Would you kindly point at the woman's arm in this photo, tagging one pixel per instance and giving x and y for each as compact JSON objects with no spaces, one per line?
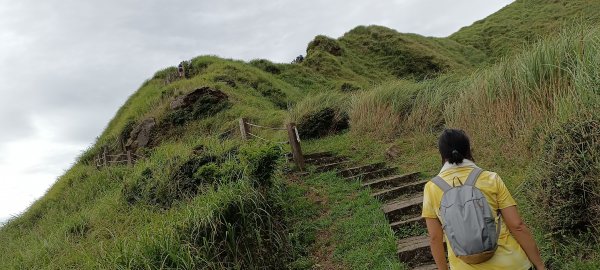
{"x":436,"y":242}
{"x":522,"y":234}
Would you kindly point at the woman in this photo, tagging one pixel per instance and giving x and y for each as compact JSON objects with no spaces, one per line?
{"x":516,"y":249}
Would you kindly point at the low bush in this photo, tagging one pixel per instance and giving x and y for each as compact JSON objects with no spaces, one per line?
{"x":182,"y":177}
{"x":322,"y":123}
{"x":265,"y":65}
{"x":325,"y":44}
{"x":321,"y":115}
{"x":566,"y":179}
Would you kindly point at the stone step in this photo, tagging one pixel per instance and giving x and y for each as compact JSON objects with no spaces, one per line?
{"x":392,"y":181}
{"x":361,"y":169}
{"x":415,"y":221}
{"x":426,"y":267}
{"x":374,"y":174}
{"x":324,"y":160}
{"x":414,"y":251}
{"x":409,"y":207}
{"x":392,"y":193}
{"x":333,"y":166}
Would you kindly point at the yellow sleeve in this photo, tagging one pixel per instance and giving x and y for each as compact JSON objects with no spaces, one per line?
{"x":504,"y":197}
{"x":428,"y":208}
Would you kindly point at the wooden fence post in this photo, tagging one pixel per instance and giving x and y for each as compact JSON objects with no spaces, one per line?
{"x":129,"y":161}
{"x":295,"y":145}
{"x":104,"y":157}
{"x":244,"y":128}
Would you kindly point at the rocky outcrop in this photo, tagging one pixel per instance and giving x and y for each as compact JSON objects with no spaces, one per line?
{"x":189,"y":99}
{"x":141,"y":135}
{"x":198,"y":104}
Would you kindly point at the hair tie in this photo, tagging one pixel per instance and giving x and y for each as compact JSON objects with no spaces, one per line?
{"x":455,"y":152}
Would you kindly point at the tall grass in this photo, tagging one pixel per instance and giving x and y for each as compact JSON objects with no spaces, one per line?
{"x":512,"y":100}
{"x":317,"y":102}
{"x":537,"y":109}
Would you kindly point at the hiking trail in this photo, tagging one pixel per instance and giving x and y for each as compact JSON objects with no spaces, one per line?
{"x":401,"y":195}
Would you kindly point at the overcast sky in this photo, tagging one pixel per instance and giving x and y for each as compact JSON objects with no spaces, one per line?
{"x":67,"y":66}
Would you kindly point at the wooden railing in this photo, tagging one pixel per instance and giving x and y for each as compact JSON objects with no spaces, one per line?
{"x":104,"y":159}
{"x":293,"y":138}
{"x":246,"y":130}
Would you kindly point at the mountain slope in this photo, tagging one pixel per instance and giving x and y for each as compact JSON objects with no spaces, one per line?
{"x":524,"y":22}
{"x":200,"y":197}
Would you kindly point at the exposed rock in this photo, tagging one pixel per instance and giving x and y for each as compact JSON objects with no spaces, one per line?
{"x":392,"y":152}
{"x":141,"y":134}
{"x":196,"y":105}
{"x":189,"y":99}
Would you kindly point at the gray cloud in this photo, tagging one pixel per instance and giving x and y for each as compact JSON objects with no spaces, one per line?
{"x":68,"y":65}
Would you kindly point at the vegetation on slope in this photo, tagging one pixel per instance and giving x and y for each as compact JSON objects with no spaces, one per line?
{"x":525,"y":22}
{"x":201,"y":198}
{"x":535,"y":113}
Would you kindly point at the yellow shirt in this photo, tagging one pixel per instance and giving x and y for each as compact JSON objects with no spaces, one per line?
{"x":509,"y":254}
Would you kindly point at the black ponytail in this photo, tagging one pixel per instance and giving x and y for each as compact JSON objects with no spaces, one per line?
{"x":454,"y":146}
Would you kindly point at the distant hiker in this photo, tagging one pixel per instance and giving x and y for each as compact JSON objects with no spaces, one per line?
{"x":180,"y":70}
{"x":476,"y":209}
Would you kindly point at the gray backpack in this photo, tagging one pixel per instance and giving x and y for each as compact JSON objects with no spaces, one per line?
{"x":468,"y":221}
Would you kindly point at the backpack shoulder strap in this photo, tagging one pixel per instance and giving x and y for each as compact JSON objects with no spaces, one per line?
{"x":473,"y":176}
{"x":438,"y":181}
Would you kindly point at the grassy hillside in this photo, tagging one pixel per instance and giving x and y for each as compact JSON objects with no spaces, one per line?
{"x":525,"y":22}
{"x":200,"y":197}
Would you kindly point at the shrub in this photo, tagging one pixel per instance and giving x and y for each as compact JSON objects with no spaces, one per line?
{"x":566,"y":179}
{"x":322,"y":123}
{"x":265,"y":65}
{"x":325,"y":44}
{"x":261,"y":162}
{"x":320,"y":115}
{"x":245,"y":233}
{"x":180,"y":178}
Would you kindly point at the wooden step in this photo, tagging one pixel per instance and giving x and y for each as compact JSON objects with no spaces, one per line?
{"x":414,"y":251}
{"x":333,"y":166}
{"x":312,"y":155}
{"x":409,"y":207}
{"x":392,"y":193}
{"x":361,"y":169}
{"x":318,"y":155}
{"x":392,"y":181}
{"x":426,"y":267}
{"x":374,"y":174}
{"x":324,"y":160}
{"x":415,"y":221}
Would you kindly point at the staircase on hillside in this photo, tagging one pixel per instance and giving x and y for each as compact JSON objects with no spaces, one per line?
{"x":401,"y":195}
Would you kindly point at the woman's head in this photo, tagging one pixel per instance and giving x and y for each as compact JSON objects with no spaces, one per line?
{"x":454,"y":146}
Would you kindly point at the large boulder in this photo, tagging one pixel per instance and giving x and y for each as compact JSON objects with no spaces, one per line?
{"x":141,"y":135}
{"x":189,"y":99}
